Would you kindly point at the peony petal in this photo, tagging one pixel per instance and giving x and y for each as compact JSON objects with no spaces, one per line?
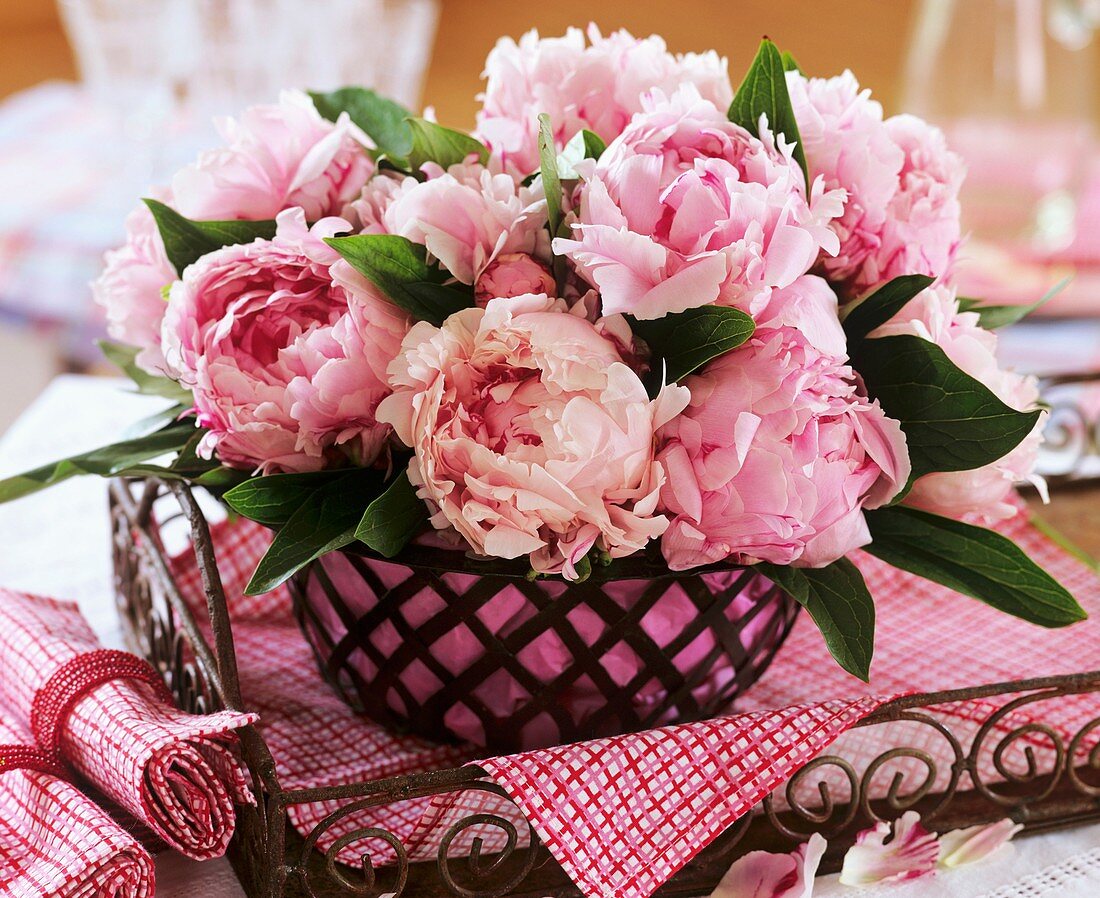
{"x":507,"y":542}
{"x":696,"y":284}
{"x":974,"y":843}
{"x":760,"y":874}
{"x":624,"y":265}
{"x":791,"y":252}
{"x":672,"y":400}
{"x":810,"y":305}
{"x":911,"y":852}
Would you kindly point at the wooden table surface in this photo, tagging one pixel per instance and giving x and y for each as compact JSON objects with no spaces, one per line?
{"x":34,"y":47}
{"x":1074,"y":511}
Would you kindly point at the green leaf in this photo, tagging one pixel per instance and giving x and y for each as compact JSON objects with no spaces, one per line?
{"x":164,"y":472}
{"x":790,"y":64}
{"x":977,"y":562}
{"x":324,"y":522}
{"x":688,"y":340}
{"x":994,"y":317}
{"x":879,"y":307}
{"x":154,"y":422}
{"x":186,"y":240}
{"x":839,"y":602}
{"x":430,"y":142}
{"x":594,"y":145}
{"x":187,"y":465}
{"x":584,"y":144}
{"x":392,"y":519}
{"x":399,"y":268}
{"x":221,"y":478}
{"x":273,"y":499}
{"x":107,"y":461}
{"x":551,"y":183}
{"x":764,"y":92}
{"x":124,"y":357}
{"x":952,"y":422}
{"x":383,"y":120}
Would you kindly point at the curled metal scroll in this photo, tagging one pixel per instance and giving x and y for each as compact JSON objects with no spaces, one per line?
{"x":1071,"y":437}
{"x":1021,"y":740}
{"x":1077,"y":745}
{"x":898,"y":798}
{"x":481,"y":872}
{"x":831,"y":816}
{"x":335,"y":873}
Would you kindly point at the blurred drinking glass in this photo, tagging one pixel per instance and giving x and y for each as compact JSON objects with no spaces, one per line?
{"x":165,"y":67}
{"x":248,"y":50}
{"x":133,"y":66}
{"x":1011,"y":82}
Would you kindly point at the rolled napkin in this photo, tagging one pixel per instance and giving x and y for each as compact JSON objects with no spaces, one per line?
{"x":55,"y":842}
{"x":106,"y":714}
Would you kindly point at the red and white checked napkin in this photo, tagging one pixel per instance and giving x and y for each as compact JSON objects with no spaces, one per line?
{"x":175,"y":772}
{"x":622,"y":815}
{"x":55,"y":842}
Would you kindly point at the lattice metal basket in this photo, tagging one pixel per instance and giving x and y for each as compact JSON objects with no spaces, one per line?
{"x":443,"y":648}
{"x":1037,"y":776}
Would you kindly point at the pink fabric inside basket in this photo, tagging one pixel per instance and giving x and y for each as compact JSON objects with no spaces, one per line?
{"x":546,"y":656}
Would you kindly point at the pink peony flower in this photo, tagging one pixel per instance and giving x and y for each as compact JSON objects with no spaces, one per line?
{"x":685,"y":209}
{"x":777,"y":454}
{"x":846,"y":142}
{"x":911,"y":852}
{"x":923,"y":231}
{"x":276,"y":157}
{"x":760,"y":874}
{"x":130,"y":289}
{"x":983,"y":495}
{"x":596,"y":87}
{"x":902,"y":212}
{"x":531,"y":437}
{"x":285,"y":348}
{"x":514,"y":274}
{"x":466,"y":216}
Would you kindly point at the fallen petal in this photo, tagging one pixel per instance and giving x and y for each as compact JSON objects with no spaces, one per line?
{"x":760,"y":874}
{"x":911,"y":852}
{"x":965,"y":846}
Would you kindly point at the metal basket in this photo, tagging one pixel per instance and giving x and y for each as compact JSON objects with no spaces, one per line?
{"x":437,"y":647}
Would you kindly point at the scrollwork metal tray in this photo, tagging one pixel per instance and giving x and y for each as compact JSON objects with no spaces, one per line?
{"x":1030,"y":772}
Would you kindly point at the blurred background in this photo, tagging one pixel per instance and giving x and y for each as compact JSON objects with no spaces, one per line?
{"x":100,"y":98}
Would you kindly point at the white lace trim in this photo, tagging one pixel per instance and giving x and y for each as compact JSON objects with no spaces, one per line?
{"x":1057,"y":880}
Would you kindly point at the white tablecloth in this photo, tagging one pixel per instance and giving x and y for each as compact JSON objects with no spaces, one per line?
{"x":57,"y":543}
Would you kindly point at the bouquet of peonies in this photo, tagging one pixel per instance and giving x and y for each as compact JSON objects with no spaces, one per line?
{"x":635,"y":311}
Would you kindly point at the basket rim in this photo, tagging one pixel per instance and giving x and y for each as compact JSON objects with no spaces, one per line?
{"x":640,"y":566}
